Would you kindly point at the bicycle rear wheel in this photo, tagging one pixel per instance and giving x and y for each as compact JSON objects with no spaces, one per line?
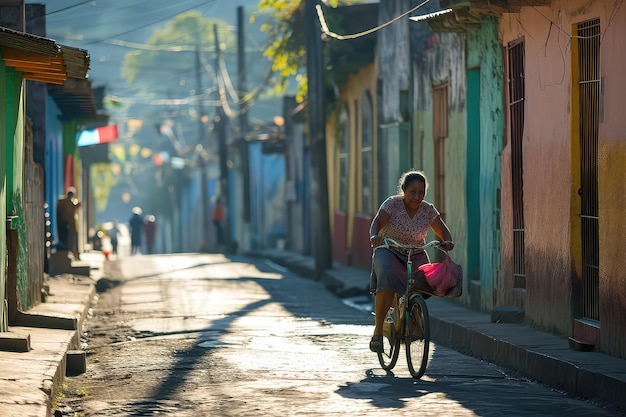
{"x":391,"y":347}
{"x":417,"y":332}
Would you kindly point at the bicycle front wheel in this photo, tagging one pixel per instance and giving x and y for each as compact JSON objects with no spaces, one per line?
{"x":391,"y":347}
{"x":417,"y":332}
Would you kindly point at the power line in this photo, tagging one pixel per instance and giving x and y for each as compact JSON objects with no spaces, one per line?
{"x":93,"y":2}
{"x":169,"y":16}
{"x":320,"y":15}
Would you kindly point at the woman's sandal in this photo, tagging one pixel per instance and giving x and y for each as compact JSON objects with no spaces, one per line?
{"x":376,"y":344}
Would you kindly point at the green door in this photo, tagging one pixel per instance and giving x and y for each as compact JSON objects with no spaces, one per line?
{"x":472,"y":188}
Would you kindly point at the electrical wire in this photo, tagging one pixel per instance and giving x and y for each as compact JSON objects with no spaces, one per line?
{"x":169,"y":16}
{"x":70,"y":7}
{"x":320,"y":15}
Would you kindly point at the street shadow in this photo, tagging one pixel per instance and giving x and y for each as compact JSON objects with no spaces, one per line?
{"x":187,"y":360}
{"x":297,"y":297}
{"x":385,"y":391}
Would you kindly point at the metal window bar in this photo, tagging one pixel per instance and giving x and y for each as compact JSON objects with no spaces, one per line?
{"x":589,"y":91}
{"x":367,"y":155}
{"x":516,"y":112}
{"x":344,"y":159}
{"x":440,"y":132}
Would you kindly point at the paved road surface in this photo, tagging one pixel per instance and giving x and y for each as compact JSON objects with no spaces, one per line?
{"x":204,"y":335}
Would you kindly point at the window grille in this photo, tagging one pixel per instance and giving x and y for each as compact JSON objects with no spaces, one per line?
{"x":344,"y":159}
{"x":367,"y":158}
{"x":516,"y":112}
{"x":440,"y":133}
{"x":589,"y":86}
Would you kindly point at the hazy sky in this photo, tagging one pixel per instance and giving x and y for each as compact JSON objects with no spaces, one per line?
{"x":98,"y":26}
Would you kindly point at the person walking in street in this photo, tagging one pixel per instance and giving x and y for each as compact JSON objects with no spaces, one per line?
{"x":218,"y":217}
{"x":67,"y":212}
{"x":149,"y":230}
{"x":406,"y":218}
{"x":114,"y":233}
{"x":135,"y":226}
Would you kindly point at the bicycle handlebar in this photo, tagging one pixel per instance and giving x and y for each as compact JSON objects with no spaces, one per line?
{"x":390,"y":242}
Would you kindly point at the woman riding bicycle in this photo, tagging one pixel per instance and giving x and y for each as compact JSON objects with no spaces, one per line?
{"x":405,"y":218}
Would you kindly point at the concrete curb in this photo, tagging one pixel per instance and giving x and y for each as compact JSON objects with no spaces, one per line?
{"x":544,"y":358}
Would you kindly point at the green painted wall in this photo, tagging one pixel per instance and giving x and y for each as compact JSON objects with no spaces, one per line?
{"x":3,"y":234}
{"x":14,"y":154}
{"x":472,"y":181}
{"x":14,"y":160}
{"x":484,"y":54}
{"x":442,"y":62}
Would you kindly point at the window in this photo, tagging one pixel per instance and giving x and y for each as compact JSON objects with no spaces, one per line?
{"x":367,"y":155}
{"x":440,"y":133}
{"x":516,"y":115}
{"x":344,"y":158}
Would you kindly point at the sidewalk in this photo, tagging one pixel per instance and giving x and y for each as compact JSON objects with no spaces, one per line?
{"x":30,"y":380}
{"x":539,"y":356}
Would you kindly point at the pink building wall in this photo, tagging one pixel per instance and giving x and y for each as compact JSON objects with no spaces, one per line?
{"x":550,"y":163}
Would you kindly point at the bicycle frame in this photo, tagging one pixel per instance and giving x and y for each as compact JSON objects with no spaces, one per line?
{"x":412,"y":309}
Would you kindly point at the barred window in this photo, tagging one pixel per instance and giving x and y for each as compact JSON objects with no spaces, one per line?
{"x":344,"y":159}
{"x":367,"y":155}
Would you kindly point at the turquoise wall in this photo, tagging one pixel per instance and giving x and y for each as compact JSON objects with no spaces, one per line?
{"x":484,"y":54}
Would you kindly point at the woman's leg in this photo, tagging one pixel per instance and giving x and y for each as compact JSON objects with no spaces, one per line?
{"x":382,"y":302}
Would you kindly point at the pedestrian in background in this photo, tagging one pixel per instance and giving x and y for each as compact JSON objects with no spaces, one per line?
{"x":218,"y":216}
{"x":149,"y":229}
{"x":67,"y":212}
{"x":135,"y":226}
{"x":114,"y":233}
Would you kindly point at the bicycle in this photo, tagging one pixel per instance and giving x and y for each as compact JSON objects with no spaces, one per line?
{"x":409,"y":325}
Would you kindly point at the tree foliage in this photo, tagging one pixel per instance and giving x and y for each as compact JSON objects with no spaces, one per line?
{"x":171,"y":51}
{"x":287,"y":47}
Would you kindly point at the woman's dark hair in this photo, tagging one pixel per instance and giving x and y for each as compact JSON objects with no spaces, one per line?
{"x":410,"y":176}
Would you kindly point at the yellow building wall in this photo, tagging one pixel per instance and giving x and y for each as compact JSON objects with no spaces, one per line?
{"x":351,"y":94}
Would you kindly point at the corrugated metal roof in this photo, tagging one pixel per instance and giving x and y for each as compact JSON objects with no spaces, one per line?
{"x":42,"y":59}
{"x":63,"y":68}
{"x":74,"y":98}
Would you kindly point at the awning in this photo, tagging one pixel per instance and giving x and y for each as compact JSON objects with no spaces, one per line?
{"x":97,"y":136}
{"x":428,"y":16}
{"x":75,"y":99}
{"x":457,"y":19}
{"x":42,"y":59}
{"x":461,"y":15}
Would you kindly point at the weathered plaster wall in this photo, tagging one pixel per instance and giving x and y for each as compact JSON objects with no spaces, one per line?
{"x":393,"y":57}
{"x":612,"y":190}
{"x":351,"y":93}
{"x":549,"y":168}
{"x":612,"y":182}
{"x":546,"y":165}
{"x":484,"y":51}
{"x":441,"y":60}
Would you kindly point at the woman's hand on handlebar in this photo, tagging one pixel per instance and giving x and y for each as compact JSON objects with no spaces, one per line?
{"x":447,"y":245}
{"x":376,"y":241}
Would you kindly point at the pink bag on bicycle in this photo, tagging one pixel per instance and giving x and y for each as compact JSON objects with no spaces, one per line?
{"x":446,"y":278}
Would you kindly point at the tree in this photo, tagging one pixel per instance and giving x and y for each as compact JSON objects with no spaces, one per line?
{"x":287,"y":45}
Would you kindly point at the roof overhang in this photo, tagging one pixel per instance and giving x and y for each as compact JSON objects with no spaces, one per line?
{"x":462,"y":15}
{"x":75,"y":99}
{"x":452,"y":19}
{"x":42,"y":59}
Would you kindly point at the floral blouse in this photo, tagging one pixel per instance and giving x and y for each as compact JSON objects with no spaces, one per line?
{"x":404,"y":229}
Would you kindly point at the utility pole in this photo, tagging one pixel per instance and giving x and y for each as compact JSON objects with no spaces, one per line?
{"x":220,"y":128}
{"x":320,"y":218}
{"x":202,"y":140}
{"x":243,"y":128}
